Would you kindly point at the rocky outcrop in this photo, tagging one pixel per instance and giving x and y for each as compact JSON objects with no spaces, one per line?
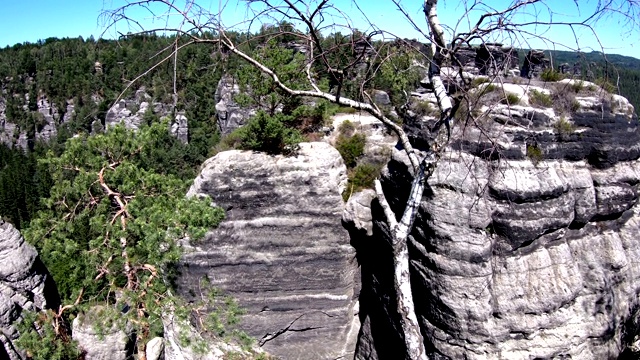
{"x":282,"y":251}
{"x":24,"y":285}
{"x":578,"y":70}
{"x":535,"y":62}
{"x":494,"y":59}
{"x":357,"y":212}
{"x":229,"y":113}
{"x":7,"y":131}
{"x":131,"y":113}
{"x":487,"y":59}
{"x":379,"y":140}
{"x":70,"y":112}
{"x":126,"y":112}
{"x":180,"y":127}
{"x":49,"y":113}
{"x":99,"y":341}
{"x":174,"y":347}
{"x":516,"y":254}
{"x":47,"y":119}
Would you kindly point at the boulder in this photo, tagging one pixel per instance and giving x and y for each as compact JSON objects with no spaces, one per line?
{"x":281,"y":251}
{"x":99,"y":341}
{"x":381,"y":98}
{"x":357,"y":213}
{"x":155,"y":349}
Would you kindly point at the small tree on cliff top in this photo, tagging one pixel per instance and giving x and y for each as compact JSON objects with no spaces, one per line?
{"x":514,"y":22}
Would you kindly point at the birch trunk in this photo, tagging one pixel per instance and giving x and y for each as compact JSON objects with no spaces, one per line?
{"x":439,"y":49}
{"x":414,"y":342}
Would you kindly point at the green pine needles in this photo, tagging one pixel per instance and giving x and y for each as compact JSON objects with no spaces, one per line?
{"x":108,"y":233}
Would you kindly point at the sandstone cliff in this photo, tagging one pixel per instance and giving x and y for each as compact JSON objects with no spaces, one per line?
{"x":282,"y":251}
{"x":24,"y":285}
{"x":230,"y":115}
{"x":526,"y":245}
{"x":131,"y":113}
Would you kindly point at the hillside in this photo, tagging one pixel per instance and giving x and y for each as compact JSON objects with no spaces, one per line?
{"x":626,"y":69}
{"x":619,"y":61}
{"x":115,"y":219}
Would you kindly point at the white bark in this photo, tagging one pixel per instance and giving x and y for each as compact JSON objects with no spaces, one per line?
{"x":397,"y":129}
{"x":413,"y":339}
{"x":438,"y":46}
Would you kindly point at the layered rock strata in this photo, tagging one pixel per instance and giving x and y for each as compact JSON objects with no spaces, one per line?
{"x":281,"y":251}
{"x":487,"y":59}
{"x":516,"y":254}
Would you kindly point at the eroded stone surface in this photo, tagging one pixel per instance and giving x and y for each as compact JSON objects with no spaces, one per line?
{"x":230,"y":114}
{"x":513,"y":258}
{"x":24,"y":285}
{"x":131,"y":113}
{"x":281,"y":251}
{"x":100,"y":342}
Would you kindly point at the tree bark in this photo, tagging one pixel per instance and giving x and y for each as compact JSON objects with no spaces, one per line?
{"x":414,"y":342}
{"x":439,"y":49}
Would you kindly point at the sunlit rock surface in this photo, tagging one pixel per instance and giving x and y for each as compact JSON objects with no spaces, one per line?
{"x":25,"y":284}
{"x":281,"y":251}
{"x":517,"y":254}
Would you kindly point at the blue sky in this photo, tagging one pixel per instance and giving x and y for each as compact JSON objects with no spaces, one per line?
{"x":31,"y":20}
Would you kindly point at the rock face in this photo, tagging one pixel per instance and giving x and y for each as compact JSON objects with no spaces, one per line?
{"x":24,"y":285}
{"x":230,"y":114}
{"x":106,"y":344}
{"x":514,"y":257}
{"x":7,"y":131}
{"x":282,"y":251}
{"x":131,"y":112}
{"x":47,"y":117}
{"x":180,"y":127}
{"x":534,"y":64}
{"x":487,"y":59}
{"x":494,"y":59}
{"x":51,"y":116}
